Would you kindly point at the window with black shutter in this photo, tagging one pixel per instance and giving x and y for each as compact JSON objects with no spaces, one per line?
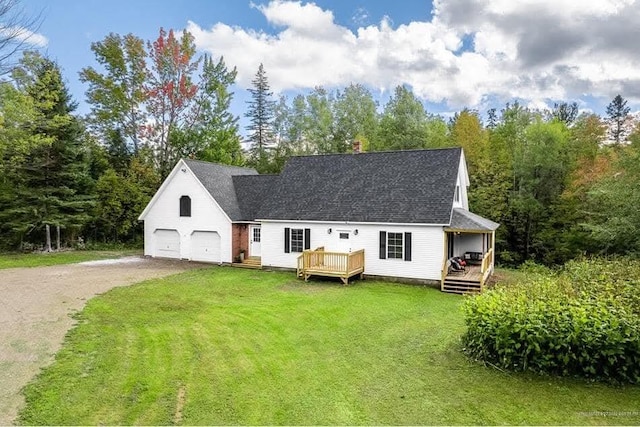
{"x":297,"y":239}
{"x":395,"y":245}
{"x":185,"y":206}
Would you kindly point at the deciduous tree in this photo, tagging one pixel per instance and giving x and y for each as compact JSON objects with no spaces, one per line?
{"x":118,"y":94}
{"x":171,"y":92}
{"x":403,"y":124}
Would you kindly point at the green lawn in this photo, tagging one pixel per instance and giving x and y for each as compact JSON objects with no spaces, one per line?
{"x":15,"y":260}
{"x":231,"y":346}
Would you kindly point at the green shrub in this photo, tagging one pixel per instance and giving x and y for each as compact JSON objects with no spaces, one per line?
{"x":583,"y":322}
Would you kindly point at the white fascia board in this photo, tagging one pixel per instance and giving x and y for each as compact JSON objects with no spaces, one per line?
{"x":181,"y":164}
{"x":412,"y":224}
{"x":463,"y":165}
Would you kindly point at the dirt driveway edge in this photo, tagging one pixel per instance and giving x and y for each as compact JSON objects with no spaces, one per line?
{"x":36,"y":309}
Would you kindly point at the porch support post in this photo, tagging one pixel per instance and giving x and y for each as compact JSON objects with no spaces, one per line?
{"x":444,"y":259}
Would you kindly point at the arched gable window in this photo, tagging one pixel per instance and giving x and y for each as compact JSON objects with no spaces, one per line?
{"x":185,"y":206}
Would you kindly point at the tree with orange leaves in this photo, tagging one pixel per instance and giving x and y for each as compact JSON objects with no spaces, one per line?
{"x":161,"y":98}
{"x":171,"y":92}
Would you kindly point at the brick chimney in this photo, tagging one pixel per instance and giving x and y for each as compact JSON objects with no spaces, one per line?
{"x":357,"y":146}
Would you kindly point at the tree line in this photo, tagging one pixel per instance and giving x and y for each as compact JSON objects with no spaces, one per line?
{"x":547,"y":176}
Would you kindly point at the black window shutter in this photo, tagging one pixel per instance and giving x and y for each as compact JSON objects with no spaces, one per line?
{"x":307,"y":238}
{"x":407,"y":246}
{"x":287,"y":241}
{"x":383,"y":245}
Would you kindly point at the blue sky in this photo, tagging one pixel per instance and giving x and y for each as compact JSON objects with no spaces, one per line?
{"x":454,"y":54}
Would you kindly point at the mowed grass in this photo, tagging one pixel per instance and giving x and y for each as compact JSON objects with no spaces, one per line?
{"x":18,"y":260}
{"x":230,"y":346}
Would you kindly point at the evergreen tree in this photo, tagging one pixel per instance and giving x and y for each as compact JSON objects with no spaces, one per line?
{"x":618,"y":111}
{"x":51,"y":186}
{"x":261,"y":112}
{"x":565,"y":112}
{"x":492,"y":118}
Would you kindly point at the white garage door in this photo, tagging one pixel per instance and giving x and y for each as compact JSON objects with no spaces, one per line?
{"x":166,"y":243}
{"x":205,"y":246}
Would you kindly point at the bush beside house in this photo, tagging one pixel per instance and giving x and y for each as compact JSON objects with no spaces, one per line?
{"x":583,"y":321}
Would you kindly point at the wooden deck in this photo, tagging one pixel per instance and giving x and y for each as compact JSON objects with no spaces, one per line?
{"x":472,"y":274}
{"x":319,"y":262}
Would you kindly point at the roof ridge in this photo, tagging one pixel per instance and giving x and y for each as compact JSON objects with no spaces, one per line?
{"x":217,"y":164}
{"x":366,"y":153}
{"x":259,"y":174}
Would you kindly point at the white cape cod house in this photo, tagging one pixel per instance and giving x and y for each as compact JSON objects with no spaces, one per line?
{"x":400,"y":214}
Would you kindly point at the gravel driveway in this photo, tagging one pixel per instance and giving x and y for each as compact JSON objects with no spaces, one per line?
{"x":35,"y":308}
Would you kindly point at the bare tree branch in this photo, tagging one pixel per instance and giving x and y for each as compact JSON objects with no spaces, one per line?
{"x":17,"y":30}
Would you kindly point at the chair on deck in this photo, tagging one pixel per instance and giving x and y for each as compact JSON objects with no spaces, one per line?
{"x":455,"y":265}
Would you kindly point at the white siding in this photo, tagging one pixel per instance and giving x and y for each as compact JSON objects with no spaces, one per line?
{"x":462,"y":181}
{"x":466,"y":243}
{"x":206,"y":215}
{"x":426,"y":256}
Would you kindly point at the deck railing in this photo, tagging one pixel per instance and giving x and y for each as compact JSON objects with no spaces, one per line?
{"x":486,"y":266}
{"x":336,"y":264}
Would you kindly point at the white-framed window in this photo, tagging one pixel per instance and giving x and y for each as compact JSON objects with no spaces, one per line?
{"x":395,"y":245}
{"x":344,"y":235}
{"x":256,"y":234}
{"x":457,"y":196}
{"x":297,"y":239}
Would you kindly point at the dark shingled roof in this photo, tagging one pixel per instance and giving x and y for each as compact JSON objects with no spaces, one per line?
{"x":251,"y":191}
{"x":462,"y":219}
{"x":415,"y":186}
{"x":218,"y":181}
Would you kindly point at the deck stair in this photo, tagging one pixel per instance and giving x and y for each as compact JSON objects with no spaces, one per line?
{"x":460,"y":286}
{"x":470,"y":281}
{"x":254,"y":262}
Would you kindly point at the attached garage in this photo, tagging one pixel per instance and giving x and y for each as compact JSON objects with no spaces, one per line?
{"x":205,"y":246}
{"x":166,"y":243}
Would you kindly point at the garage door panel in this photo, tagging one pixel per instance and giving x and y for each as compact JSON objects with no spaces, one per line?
{"x":205,"y":246}
{"x":166,"y":243}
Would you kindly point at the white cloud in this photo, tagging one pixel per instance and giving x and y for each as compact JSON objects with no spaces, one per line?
{"x":23,"y":35}
{"x":534,"y":50}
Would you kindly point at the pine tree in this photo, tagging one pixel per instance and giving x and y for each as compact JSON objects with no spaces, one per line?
{"x":52,"y":185}
{"x":261,"y":114}
{"x":618,"y":111}
{"x":565,"y":112}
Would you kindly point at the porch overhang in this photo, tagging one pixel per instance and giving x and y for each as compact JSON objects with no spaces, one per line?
{"x":474,"y":277}
{"x":463,"y":221}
